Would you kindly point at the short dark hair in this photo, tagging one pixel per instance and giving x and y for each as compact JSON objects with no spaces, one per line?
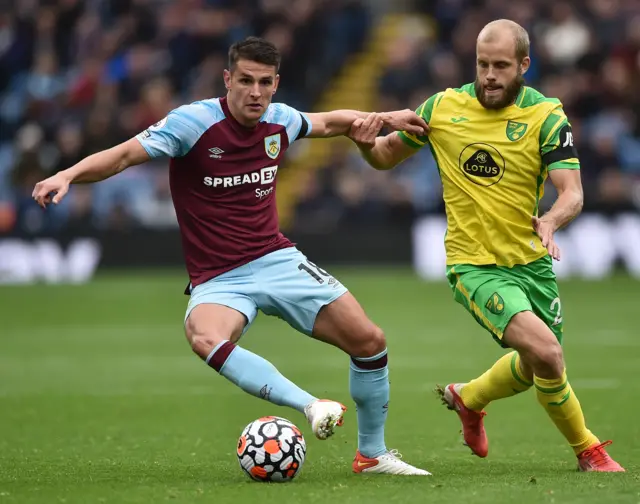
{"x":254,"y":49}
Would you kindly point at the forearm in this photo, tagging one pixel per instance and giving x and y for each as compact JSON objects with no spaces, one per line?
{"x":338,"y":122}
{"x":96,"y":167}
{"x":566,"y":208}
{"x":105,"y":164}
{"x":379,"y":156}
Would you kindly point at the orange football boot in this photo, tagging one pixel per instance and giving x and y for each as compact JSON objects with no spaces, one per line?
{"x":473,"y":431}
{"x":596,"y":459}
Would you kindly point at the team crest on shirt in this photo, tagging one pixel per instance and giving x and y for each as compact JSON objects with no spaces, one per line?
{"x":272,"y":145}
{"x":495,"y":304}
{"x":516,"y":130}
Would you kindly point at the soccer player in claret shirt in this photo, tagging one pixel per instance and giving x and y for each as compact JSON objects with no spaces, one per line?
{"x":225,"y":154}
{"x":495,"y":142}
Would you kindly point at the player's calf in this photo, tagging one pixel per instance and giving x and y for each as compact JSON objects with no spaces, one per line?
{"x":212,"y":329}
{"x":344,"y":324}
{"x":536,"y":343}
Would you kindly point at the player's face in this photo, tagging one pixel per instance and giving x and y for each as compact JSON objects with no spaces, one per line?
{"x":251,"y":86}
{"x":498,"y":73}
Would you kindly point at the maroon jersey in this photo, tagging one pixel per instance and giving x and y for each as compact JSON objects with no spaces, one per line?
{"x":223,"y":181}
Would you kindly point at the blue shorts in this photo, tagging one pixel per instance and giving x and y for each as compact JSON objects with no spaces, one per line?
{"x":283,"y":283}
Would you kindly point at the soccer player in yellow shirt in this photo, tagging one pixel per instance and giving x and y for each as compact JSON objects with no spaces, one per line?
{"x":495,"y":142}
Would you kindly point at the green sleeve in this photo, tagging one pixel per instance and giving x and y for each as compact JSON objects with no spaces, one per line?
{"x":556,"y":143}
{"x":426,"y":112}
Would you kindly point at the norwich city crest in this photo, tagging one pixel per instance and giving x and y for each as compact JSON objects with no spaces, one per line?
{"x":495,"y":304}
{"x":272,"y":145}
{"x":515,"y":130}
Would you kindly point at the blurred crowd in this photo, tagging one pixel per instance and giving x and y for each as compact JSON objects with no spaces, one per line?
{"x":584,"y":52}
{"x":79,"y":76}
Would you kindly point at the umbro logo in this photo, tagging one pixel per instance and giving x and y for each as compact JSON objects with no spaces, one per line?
{"x":265,"y":392}
{"x":216,"y":153}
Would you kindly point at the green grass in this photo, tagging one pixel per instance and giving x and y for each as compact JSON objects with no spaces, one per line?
{"x":101,"y":400}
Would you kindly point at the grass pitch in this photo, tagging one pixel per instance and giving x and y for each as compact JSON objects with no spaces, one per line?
{"x":102,"y":401}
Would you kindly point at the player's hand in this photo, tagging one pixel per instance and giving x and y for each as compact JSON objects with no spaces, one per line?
{"x":365,"y":131}
{"x":51,"y":190}
{"x":406,"y":120}
{"x":545,"y":230}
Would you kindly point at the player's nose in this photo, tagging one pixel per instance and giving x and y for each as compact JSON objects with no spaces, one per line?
{"x":255,"y":91}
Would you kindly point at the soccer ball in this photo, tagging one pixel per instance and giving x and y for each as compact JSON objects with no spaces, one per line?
{"x":271,"y":449}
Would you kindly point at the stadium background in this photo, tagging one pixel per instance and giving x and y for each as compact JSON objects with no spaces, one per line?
{"x":79,"y":76}
{"x":96,"y":382}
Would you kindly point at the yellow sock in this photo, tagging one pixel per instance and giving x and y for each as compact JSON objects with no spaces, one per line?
{"x":504,"y":379}
{"x":563,"y":407}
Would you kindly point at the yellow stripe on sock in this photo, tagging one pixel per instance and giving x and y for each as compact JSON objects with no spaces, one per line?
{"x":551,"y":390}
{"x":515,"y":370}
{"x":563,"y":407}
{"x":562,"y":400}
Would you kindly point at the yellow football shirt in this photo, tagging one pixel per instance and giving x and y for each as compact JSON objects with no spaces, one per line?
{"x":493,"y":164}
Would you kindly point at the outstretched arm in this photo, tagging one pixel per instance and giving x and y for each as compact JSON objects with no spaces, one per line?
{"x":382,"y":153}
{"x":107,"y":163}
{"x":98,"y":166}
{"x":339,"y":122}
{"x":172,"y":136}
{"x":387,"y":152}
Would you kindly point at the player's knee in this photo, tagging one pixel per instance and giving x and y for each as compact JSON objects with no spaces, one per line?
{"x":538,"y":347}
{"x":202,"y":339}
{"x":371,"y":341}
{"x":548,"y":360}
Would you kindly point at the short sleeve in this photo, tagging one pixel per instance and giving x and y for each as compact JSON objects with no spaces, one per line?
{"x":557,"y":147}
{"x":297,"y":124}
{"x":425,"y":110}
{"x":177,"y":133}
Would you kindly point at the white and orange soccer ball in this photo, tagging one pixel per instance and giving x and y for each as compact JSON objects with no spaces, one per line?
{"x":271,"y":449}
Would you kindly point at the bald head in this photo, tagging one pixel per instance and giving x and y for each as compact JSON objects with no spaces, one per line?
{"x":502,"y":58}
{"x":508,"y":32}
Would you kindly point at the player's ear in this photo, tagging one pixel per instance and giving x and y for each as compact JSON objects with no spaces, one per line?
{"x":275,"y":83}
{"x":526,"y":63}
{"x":227,"y":78}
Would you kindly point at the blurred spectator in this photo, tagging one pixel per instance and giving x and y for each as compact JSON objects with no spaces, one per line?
{"x":78,"y":76}
{"x":586,"y":53}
